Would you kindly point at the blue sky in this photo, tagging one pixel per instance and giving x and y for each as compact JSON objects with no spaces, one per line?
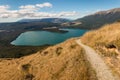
{"x":72,"y":9}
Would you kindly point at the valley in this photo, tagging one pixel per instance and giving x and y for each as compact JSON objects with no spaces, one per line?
{"x":10,"y":31}
{"x":50,"y":48}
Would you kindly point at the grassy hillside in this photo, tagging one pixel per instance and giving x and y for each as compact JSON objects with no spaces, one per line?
{"x":65,"y":61}
{"x":106,"y":41}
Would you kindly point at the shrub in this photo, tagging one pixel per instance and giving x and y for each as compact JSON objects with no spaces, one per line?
{"x":26,"y":67}
{"x":29,"y":77}
{"x":73,"y":46}
{"x":110,"y":46}
{"x":118,"y":20}
{"x":58,"y":50}
{"x":46,"y":52}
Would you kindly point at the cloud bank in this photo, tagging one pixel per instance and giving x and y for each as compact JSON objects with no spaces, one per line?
{"x":31,"y":11}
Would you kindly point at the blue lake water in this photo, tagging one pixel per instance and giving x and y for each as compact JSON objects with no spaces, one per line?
{"x":37,"y":38}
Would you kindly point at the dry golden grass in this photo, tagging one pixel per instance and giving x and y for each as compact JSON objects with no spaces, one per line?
{"x":106,"y":41}
{"x":65,"y":61}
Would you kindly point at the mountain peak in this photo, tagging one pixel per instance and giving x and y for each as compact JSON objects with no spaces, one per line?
{"x":107,"y":11}
{"x":100,"y":18}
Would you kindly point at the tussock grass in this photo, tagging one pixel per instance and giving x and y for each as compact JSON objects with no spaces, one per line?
{"x":60,"y":62}
{"x":106,"y":41}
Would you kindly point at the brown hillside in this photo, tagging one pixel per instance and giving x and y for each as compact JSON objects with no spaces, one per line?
{"x":65,"y":61}
{"x":107,"y":42}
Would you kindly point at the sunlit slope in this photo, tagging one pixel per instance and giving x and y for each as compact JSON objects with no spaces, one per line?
{"x":106,"y":41}
{"x":65,"y":61}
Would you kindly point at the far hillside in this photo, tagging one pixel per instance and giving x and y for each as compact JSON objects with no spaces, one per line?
{"x":50,"y":20}
{"x":99,"y":19}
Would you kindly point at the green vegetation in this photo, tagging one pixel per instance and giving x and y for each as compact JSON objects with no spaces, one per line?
{"x":10,"y":51}
{"x":12,"y":31}
{"x":118,"y":20}
{"x":19,"y":51}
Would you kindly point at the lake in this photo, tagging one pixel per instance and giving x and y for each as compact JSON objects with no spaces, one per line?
{"x":37,"y":38}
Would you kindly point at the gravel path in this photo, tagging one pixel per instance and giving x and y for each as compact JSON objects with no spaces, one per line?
{"x":102,"y":70}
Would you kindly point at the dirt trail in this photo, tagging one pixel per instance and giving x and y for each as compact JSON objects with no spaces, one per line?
{"x":102,"y":70}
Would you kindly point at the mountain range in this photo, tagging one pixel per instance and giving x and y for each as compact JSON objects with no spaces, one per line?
{"x":98,"y":19}
{"x":92,"y":21}
{"x":51,"y":20}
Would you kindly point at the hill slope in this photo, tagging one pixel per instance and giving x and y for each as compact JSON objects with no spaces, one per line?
{"x":98,"y":63}
{"x":65,"y":61}
{"x":106,"y":41}
{"x":99,"y":19}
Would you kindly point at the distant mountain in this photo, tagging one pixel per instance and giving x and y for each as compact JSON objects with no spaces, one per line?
{"x":27,"y":26}
{"x":98,"y":19}
{"x":53,"y":20}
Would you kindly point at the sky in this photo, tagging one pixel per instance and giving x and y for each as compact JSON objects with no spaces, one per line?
{"x":13,"y":10}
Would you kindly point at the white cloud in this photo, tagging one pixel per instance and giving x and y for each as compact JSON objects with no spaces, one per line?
{"x":45,"y":14}
{"x":44,"y":5}
{"x":4,"y":8}
{"x":31,"y":11}
{"x":27,"y":7}
{"x":67,"y":13}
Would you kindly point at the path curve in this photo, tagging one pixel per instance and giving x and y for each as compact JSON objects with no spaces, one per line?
{"x":102,"y":70}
